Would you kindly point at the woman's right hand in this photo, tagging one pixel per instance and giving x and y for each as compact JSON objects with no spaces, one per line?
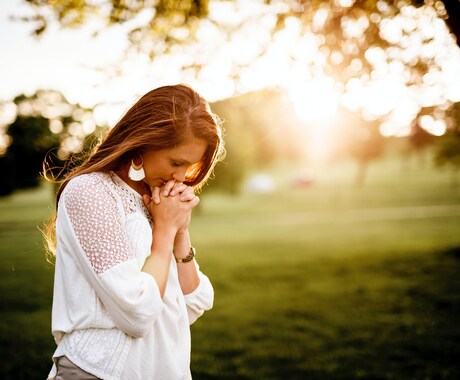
{"x":172,"y":188}
{"x":170,"y":212}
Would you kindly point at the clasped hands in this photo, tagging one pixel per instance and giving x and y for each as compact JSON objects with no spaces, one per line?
{"x":171,"y":189}
{"x":171,"y":205}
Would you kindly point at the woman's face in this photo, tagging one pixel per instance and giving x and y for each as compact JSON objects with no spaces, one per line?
{"x":164,"y":165}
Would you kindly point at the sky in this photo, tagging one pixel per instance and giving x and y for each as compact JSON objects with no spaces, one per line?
{"x":65,"y":60}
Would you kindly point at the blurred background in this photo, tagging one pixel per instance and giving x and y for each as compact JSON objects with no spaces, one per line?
{"x":331,"y":230}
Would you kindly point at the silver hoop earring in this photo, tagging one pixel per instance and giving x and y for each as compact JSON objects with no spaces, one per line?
{"x":136,"y":172}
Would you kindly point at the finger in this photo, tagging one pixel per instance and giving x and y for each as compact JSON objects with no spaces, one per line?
{"x":194,"y":202}
{"x":156,"y":195}
{"x":146,"y":199}
{"x":187,"y":195}
{"x":178,"y":188}
{"x":167,"y":188}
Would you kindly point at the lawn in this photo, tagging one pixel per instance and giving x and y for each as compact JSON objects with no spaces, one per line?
{"x":325,"y":282}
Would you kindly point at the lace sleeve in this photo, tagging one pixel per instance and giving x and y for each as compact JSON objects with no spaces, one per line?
{"x":90,"y":229}
{"x":97,"y":223}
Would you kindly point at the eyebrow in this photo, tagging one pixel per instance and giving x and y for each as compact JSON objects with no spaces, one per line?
{"x":182,"y":161}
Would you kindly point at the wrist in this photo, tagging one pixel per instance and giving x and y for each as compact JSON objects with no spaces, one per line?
{"x":165,"y":232}
{"x":182,"y":232}
{"x":162,"y":241}
{"x":189,"y":257}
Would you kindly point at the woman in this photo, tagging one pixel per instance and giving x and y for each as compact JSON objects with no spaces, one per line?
{"x":127,"y":285}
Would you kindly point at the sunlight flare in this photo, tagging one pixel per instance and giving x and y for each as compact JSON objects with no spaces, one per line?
{"x":316,"y":100}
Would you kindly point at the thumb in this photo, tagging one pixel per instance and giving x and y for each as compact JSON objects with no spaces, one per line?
{"x":147,"y":199}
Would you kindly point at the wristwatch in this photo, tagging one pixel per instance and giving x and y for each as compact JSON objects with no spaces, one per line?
{"x":189,"y":257}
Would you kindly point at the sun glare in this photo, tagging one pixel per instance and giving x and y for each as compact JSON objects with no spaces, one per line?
{"x":316,"y":100}
{"x":433,"y":126}
{"x":316,"y":103}
{"x":293,"y":57}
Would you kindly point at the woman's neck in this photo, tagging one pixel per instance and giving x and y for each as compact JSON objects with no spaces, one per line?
{"x":138,"y":186}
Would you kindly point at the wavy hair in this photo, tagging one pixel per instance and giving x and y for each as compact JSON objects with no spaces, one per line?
{"x":163,"y":118}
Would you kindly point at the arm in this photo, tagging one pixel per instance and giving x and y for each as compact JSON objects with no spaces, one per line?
{"x":196,"y":287}
{"x":168,"y":214}
{"x":159,"y":261}
{"x":188,"y":273}
{"x":91,"y":231}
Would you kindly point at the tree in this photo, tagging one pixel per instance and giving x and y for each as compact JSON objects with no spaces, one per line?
{"x":355,"y":43}
{"x":46,"y":126}
{"x":352,"y":39}
{"x":420,"y":140}
{"x":259,"y":130}
{"x":172,"y":21}
{"x":452,"y":16}
{"x":31,"y":140}
{"x":360,"y":139}
{"x":447,"y":153}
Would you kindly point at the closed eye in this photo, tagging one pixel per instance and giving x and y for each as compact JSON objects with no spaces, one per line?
{"x":176,"y":164}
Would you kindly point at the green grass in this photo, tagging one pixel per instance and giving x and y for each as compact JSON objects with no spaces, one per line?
{"x":25,"y":286}
{"x":327,"y":282}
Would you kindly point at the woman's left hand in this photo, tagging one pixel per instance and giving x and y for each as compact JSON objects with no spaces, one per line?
{"x":171,"y":189}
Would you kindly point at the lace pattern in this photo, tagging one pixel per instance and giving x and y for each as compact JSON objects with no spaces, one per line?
{"x":132,"y":202}
{"x":96,"y":220}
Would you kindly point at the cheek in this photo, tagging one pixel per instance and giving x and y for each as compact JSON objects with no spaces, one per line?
{"x":158,"y":169}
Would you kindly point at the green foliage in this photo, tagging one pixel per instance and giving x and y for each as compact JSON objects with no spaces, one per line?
{"x":172,"y":23}
{"x":420,"y":139}
{"x":448,"y":146}
{"x":47,"y":130}
{"x":171,"y":26}
{"x":448,"y":150}
{"x":31,"y":140}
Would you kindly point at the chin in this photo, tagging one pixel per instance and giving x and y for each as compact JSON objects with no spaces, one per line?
{"x":156,"y":183}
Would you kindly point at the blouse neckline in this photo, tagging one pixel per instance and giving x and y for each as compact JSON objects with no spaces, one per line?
{"x":122,"y":183}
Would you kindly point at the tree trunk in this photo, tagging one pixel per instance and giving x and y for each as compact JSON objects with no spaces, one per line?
{"x":454,"y":178}
{"x":361,"y":174}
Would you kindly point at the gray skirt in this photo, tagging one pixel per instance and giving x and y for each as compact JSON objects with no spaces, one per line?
{"x":66,"y":370}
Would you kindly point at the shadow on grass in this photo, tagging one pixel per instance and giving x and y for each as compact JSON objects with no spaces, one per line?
{"x":368,"y":317}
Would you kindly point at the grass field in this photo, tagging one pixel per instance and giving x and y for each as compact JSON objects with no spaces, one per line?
{"x":326,"y":282}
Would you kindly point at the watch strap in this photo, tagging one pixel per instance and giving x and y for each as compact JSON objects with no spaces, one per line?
{"x":188,"y":258}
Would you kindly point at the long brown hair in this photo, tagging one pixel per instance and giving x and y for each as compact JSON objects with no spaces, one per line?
{"x":161,"y":119}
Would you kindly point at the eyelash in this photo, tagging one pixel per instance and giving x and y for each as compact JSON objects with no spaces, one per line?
{"x":175,"y":164}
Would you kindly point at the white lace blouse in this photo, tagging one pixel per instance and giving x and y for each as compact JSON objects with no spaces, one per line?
{"x":108,"y":316}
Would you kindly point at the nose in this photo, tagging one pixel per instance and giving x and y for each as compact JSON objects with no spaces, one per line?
{"x":179,"y":175}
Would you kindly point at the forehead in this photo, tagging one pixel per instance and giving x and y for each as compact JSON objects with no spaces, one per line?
{"x":190,"y":151}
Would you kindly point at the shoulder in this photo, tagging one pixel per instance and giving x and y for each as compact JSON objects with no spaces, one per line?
{"x":88,"y":186}
{"x":93,"y":181}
